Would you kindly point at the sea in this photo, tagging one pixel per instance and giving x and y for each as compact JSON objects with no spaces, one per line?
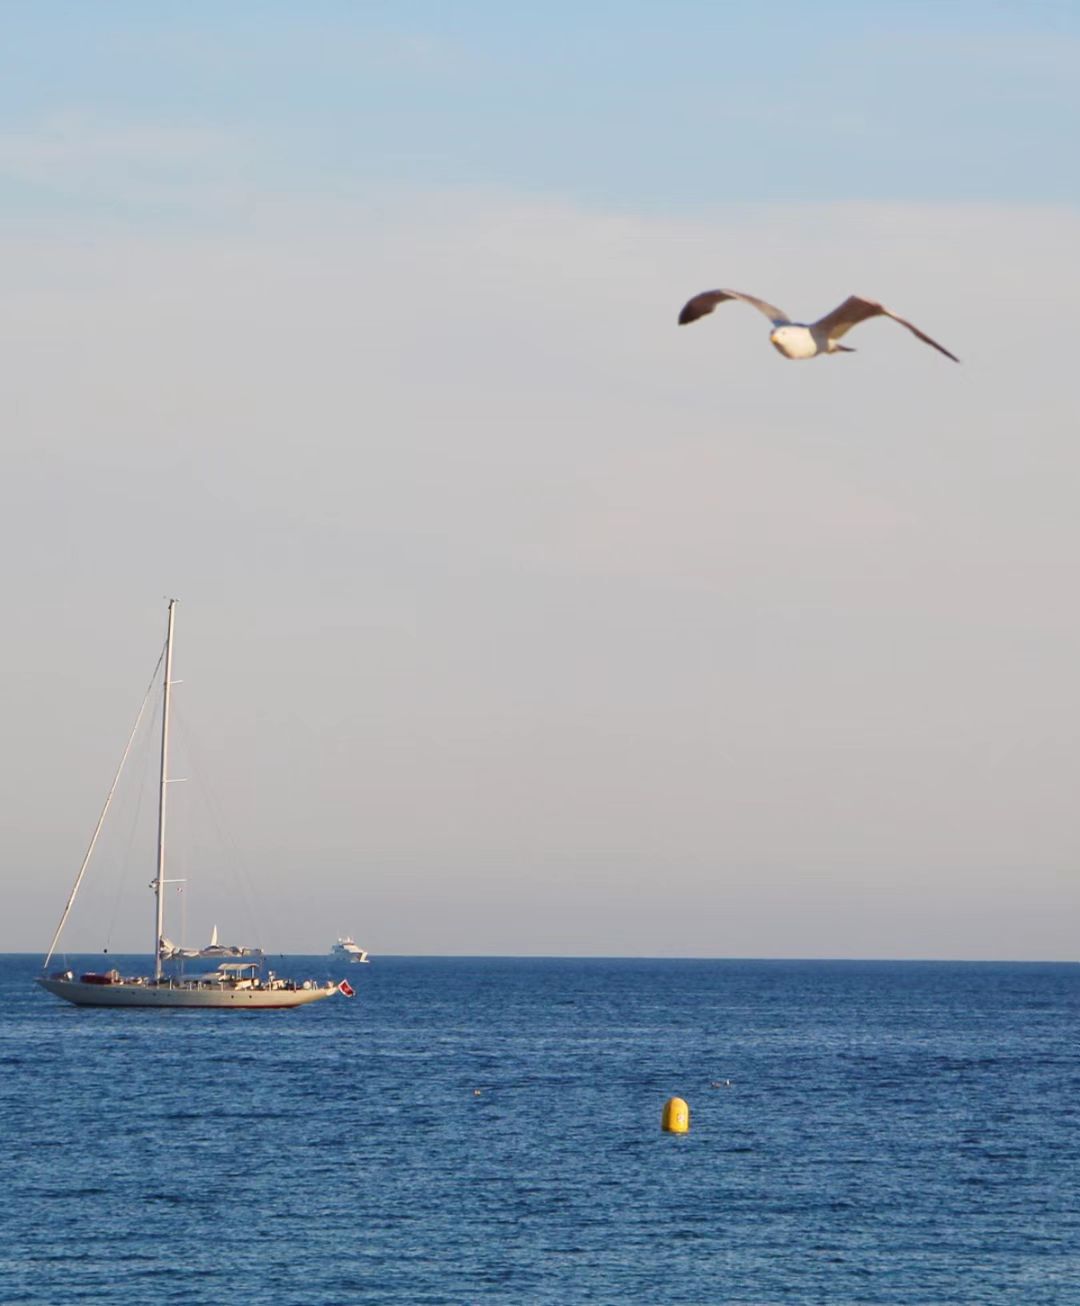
{"x":488,"y":1130}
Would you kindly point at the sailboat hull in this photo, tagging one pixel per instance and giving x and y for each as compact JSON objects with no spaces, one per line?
{"x":184,"y":995}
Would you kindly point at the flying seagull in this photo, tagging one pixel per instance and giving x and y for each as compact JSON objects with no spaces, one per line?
{"x":806,"y":339}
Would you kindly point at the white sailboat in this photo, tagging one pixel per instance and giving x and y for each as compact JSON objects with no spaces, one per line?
{"x":171,"y":951}
{"x":234,"y":984}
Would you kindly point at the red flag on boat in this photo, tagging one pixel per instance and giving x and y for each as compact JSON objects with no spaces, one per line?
{"x":346,"y":988}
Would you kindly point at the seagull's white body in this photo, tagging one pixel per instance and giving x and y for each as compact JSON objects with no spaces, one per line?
{"x":807,"y":340}
{"x":798,"y":341}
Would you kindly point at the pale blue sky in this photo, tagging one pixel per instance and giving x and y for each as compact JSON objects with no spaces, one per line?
{"x":646,"y":106}
{"x":513,"y":618}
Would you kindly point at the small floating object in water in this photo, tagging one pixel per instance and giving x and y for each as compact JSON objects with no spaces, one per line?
{"x":477,"y":1092}
{"x":676,"y":1116}
{"x":720,"y":1083}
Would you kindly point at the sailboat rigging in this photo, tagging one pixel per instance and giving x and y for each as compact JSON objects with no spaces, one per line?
{"x":234,"y":984}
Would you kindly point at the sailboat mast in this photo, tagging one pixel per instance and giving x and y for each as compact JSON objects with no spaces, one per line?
{"x":159,"y":883}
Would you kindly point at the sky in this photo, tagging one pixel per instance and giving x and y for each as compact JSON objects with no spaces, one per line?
{"x":513,"y":618}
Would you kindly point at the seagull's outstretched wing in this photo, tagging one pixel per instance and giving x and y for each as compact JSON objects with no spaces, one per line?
{"x":708,"y":300}
{"x":855,"y":309}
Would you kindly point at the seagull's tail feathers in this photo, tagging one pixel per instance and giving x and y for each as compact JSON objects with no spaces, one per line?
{"x":840,"y":349}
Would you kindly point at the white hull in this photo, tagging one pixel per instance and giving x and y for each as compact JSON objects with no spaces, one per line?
{"x":184,"y":994}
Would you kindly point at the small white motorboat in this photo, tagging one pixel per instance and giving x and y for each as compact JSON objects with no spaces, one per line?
{"x":347,"y":950}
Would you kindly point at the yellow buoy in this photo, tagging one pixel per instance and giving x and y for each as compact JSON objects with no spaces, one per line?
{"x":676,"y":1117}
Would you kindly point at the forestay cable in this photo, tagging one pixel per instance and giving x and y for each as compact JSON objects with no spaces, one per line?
{"x":101,"y":818}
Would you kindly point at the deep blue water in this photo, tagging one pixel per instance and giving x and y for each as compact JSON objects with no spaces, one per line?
{"x":893,"y":1132}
